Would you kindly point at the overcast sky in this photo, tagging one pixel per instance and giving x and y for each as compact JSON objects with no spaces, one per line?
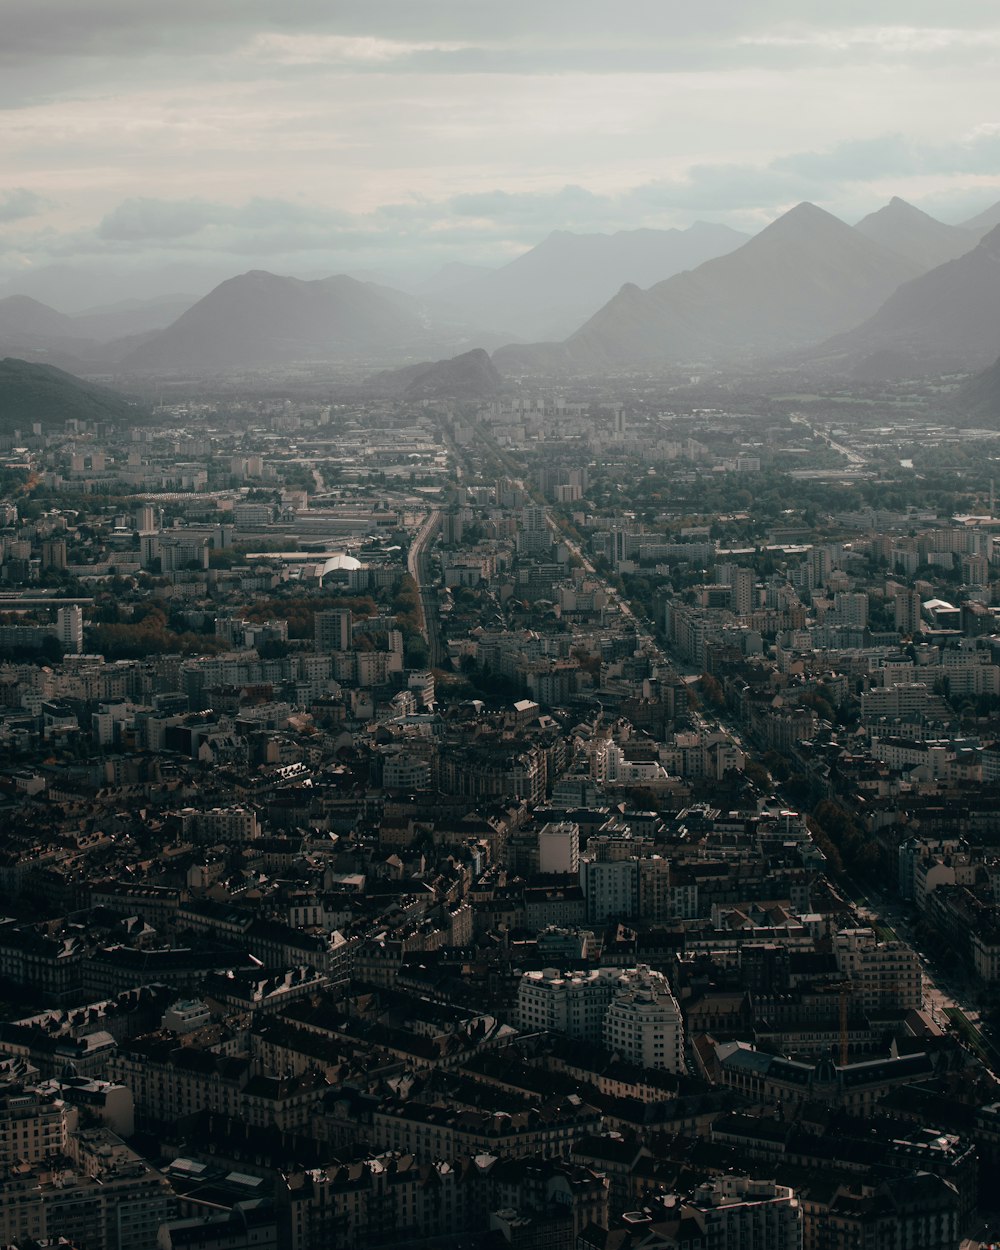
{"x":313,"y":136}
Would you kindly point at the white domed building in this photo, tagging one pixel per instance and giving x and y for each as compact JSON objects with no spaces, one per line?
{"x":643,"y":1022}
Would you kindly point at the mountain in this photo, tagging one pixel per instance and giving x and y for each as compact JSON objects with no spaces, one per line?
{"x":947,"y":319}
{"x":468,"y":376}
{"x":31,"y":392}
{"x":983,"y":222}
{"x":548,"y":291}
{"x":912,"y":233}
{"x":802,"y":278}
{"x":131,"y":316}
{"x":981,"y":394}
{"x":25,"y":319}
{"x":75,"y":288}
{"x":31,"y":330}
{"x":261,"y":319}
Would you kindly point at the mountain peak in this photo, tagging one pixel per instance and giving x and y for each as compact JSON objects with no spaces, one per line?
{"x":803,"y":223}
{"x":909,"y":231}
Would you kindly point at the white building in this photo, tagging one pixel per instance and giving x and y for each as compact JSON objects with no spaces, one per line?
{"x":559,"y":847}
{"x":571,"y":1003}
{"x":631,"y":1012}
{"x":643,"y":1022}
{"x":742,"y":1213}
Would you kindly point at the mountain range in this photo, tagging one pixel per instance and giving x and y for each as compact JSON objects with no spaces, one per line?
{"x":809,"y":289}
{"x":947,"y":318}
{"x":898,"y":292}
{"x":802,"y":278}
{"x":549,"y":291}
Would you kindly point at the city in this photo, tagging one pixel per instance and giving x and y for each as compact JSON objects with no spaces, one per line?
{"x":499,"y":625}
{"x":394,"y":798}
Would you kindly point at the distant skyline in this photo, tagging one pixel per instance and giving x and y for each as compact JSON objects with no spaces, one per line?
{"x":310,"y":137}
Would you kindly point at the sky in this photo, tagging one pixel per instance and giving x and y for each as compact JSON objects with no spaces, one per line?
{"x":163,"y":146}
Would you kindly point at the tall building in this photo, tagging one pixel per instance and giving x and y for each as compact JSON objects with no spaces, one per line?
{"x":643,"y":1022}
{"x":533,"y":534}
{"x":559,"y":847}
{"x":851,"y":608}
{"x":907,"y":607}
{"x":747,"y":1214}
{"x":334,"y":630}
{"x":573,"y":1003}
{"x":69,"y":629}
{"x":54,"y":553}
{"x":145,"y":518}
{"x":611,"y":888}
{"x":742,"y":582}
{"x":632,"y":1011}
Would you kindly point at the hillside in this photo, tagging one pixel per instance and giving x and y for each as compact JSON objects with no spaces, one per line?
{"x":549,"y":291}
{"x":947,"y":319}
{"x":31,"y":392}
{"x":802,"y":278}
{"x":261,"y":319}
{"x":468,"y":376}
{"x":914,"y":234}
{"x":985,"y":221}
{"x":981,"y":394}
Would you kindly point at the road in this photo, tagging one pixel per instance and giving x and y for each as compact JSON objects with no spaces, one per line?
{"x":943,"y":991}
{"x":418,"y":563}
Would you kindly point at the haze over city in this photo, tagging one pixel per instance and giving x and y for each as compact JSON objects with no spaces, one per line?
{"x":499,"y":625}
{"x":314,"y":138}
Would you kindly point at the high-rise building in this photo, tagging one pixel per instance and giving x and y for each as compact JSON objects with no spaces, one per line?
{"x":643,"y":1022}
{"x":907,"y":606}
{"x":69,"y":629}
{"x":334,"y":630}
{"x":145,"y":518}
{"x":559,"y":847}
{"x":632,"y":1011}
{"x":747,"y":1214}
{"x":533,"y":535}
{"x":742,"y":582}
{"x":54,"y":553}
{"x":851,"y":608}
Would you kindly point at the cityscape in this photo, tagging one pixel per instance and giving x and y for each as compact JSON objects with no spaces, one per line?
{"x":498,"y":754}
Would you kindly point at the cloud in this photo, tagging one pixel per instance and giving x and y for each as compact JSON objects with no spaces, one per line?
{"x":151,"y":220}
{"x":848,"y":178}
{"x":20,"y":203}
{"x":361,"y":50}
{"x":897,"y":156}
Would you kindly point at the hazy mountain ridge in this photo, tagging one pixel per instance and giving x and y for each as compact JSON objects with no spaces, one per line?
{"x":261,"y":319}
{"x":948,"y":318}
{"x":807,"y":287}
{"x":912,"y":233}
{"x":471,"y":375}
{"x":31,"y":392}
{"x":549,"y":290}
{"x":981,"y":394}
{"x":804,"y":274}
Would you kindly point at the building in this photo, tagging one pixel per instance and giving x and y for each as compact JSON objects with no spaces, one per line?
{"x":742,"y":1213}
{"x":69,"y":629}
{"x":643,"y":1022}
{"x":631,"y":1011}
{"x":33,"y":1126}
{"x":573,"y":1003}
{"x":559,"y":847}
{"x":334,"y":630}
